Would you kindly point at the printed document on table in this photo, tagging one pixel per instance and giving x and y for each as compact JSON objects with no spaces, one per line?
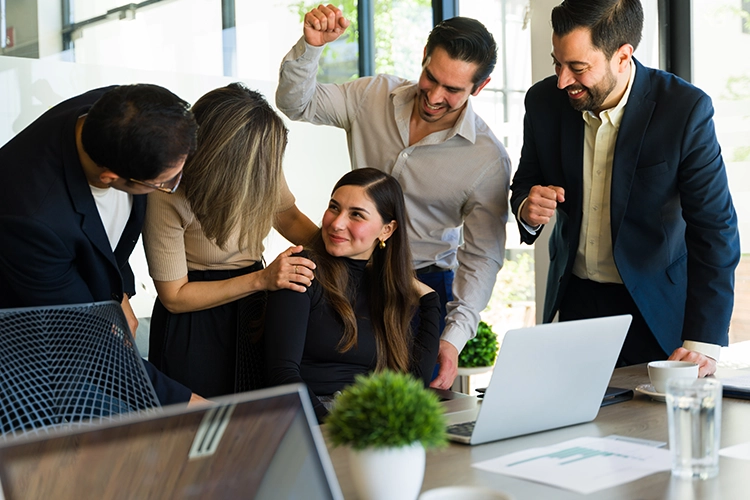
{"x":583,"y":465}
{"x":738,"y":382}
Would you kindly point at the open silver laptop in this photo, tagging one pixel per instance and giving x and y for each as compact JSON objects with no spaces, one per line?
{"x":263,"y":445}
{"x":545,"y":376}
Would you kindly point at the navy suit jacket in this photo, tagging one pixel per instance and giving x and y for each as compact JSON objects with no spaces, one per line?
{"x":53,"y":246}
{"x":674,"y":228}
{"x":55,"y":249}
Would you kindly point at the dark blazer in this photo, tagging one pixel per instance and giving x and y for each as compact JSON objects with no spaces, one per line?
{"x":53,"y":246}
{"x":674,"y":229}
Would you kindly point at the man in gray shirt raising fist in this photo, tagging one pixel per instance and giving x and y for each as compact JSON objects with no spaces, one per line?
{"x":453,"y":170}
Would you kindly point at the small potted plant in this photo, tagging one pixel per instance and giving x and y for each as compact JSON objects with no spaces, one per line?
{"x":479,"y":353}
{"x":387,"y":419}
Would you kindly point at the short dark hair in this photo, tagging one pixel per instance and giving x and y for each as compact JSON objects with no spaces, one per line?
{"x":138,"y":131}
{"x":467,"y":40}
{"x":612,"y":23}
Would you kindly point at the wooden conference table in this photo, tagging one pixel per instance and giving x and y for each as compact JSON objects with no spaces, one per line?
{"x":640,"y":418}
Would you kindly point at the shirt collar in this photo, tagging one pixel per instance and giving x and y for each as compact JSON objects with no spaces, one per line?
{"x":614,"y":115}
{"x":403,"y":102}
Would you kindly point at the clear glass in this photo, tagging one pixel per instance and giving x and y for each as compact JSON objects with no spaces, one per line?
{"x":694,"y":417}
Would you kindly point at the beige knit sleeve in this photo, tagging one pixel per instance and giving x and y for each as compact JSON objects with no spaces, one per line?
{"x":167,"y":215}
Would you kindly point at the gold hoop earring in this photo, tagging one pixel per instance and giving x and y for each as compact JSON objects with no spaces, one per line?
{"x":381,"y":244}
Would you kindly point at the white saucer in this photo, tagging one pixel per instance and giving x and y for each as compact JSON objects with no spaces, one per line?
{"x":463,"y":493}
{"x":649,"y":390}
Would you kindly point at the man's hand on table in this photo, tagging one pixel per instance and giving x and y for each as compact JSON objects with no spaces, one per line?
{"x":707,"y":365}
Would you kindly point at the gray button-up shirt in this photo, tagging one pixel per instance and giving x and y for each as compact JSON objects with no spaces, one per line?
{"x":451,"y":179}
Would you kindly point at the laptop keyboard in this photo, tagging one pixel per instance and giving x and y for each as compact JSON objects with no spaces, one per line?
{"x":462,"y":429}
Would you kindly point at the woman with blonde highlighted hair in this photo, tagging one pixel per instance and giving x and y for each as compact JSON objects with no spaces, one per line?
{"x":204,"y":245}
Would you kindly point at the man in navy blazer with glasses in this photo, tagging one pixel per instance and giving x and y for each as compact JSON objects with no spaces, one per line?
{"x":72,"y":198}
{"x":627,"y":158}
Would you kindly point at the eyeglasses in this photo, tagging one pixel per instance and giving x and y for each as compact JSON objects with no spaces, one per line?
{"x":168,"y":187}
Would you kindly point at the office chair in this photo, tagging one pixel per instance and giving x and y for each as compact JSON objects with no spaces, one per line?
{"x":70,"y":366}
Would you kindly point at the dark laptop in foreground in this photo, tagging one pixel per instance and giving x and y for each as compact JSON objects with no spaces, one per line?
{"x":263,"y":445}
{"x":545,"y":377}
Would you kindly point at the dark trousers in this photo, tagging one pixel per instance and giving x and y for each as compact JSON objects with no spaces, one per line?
{"x":442,"y":283}
{"x":590,"y":299}
{"x":212,"y":351}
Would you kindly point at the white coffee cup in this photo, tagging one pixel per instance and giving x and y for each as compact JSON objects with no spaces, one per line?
{"x":661,"y":371}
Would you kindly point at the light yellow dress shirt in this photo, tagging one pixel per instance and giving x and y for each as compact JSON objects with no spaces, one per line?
{"x":595,"y":259}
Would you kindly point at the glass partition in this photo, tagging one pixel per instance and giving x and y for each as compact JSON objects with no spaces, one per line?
{"x":719,"y":41}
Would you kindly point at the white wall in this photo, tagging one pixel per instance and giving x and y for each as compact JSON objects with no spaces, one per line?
{"x":316,"y":156}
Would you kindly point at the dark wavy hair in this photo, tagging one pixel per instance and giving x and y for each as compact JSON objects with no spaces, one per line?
{"x":139,"y":131}
{"x":613,"y":23}
{"x":393,"y":296}
{"x":467,"y":40}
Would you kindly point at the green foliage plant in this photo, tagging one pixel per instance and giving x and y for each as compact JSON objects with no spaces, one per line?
{"x":386,"y":410}
{"x":481,"y":350}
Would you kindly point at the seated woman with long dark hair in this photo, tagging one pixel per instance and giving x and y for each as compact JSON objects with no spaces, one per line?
{"x":356,"y":316}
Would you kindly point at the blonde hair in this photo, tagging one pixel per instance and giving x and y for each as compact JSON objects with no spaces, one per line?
{"x":233,"y":181}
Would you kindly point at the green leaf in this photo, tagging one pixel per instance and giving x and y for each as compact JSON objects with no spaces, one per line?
{"x":386,"y":409}
{"x":481,"y":350}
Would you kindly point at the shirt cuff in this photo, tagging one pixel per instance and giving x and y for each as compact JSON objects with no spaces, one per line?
{"x":710,"y":350}
{"x":531,"y":229}
{"x":455,"y":336}
{"x":310,"y":52}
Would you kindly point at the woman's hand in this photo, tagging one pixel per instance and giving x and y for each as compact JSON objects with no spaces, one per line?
{"x":288,"y":271}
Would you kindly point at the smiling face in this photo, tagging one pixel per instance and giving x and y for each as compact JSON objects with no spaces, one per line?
{"x":444,"y":87}
{"x":592,"y":82}
{"x":352,"y":225}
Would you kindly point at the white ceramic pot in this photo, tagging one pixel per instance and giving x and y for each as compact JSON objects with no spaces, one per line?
{"x":388,"y":473}
{"x":474,"y":370}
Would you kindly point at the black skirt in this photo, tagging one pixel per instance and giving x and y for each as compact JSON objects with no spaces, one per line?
{"x":215,"y":351}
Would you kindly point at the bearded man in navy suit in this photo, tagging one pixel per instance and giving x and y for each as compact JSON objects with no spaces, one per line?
{"x":627,"y":158}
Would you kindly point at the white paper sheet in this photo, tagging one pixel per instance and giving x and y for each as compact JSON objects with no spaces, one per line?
{"x":741,"y":382}
{"x":583,"y":465}
{"x":741,"y":451}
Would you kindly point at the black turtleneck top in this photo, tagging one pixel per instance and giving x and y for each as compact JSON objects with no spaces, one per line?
{"x":302,"y":332}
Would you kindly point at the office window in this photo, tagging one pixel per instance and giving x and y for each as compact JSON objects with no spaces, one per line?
{"x":719,"y":31}
{"x":500,"y":104}
{"x":401,"y":29}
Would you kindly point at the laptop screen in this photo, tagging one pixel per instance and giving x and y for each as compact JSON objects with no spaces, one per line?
{"x":253,"y":445}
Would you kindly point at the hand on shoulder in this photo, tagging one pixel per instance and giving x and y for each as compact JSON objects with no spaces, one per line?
{"x":289,"y":270}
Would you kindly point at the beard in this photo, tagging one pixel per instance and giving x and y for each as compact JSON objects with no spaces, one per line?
{"x":595,"y":96}
{"x":421,"y":100}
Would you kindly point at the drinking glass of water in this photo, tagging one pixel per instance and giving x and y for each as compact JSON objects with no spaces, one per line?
{"x":694,"y":415}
